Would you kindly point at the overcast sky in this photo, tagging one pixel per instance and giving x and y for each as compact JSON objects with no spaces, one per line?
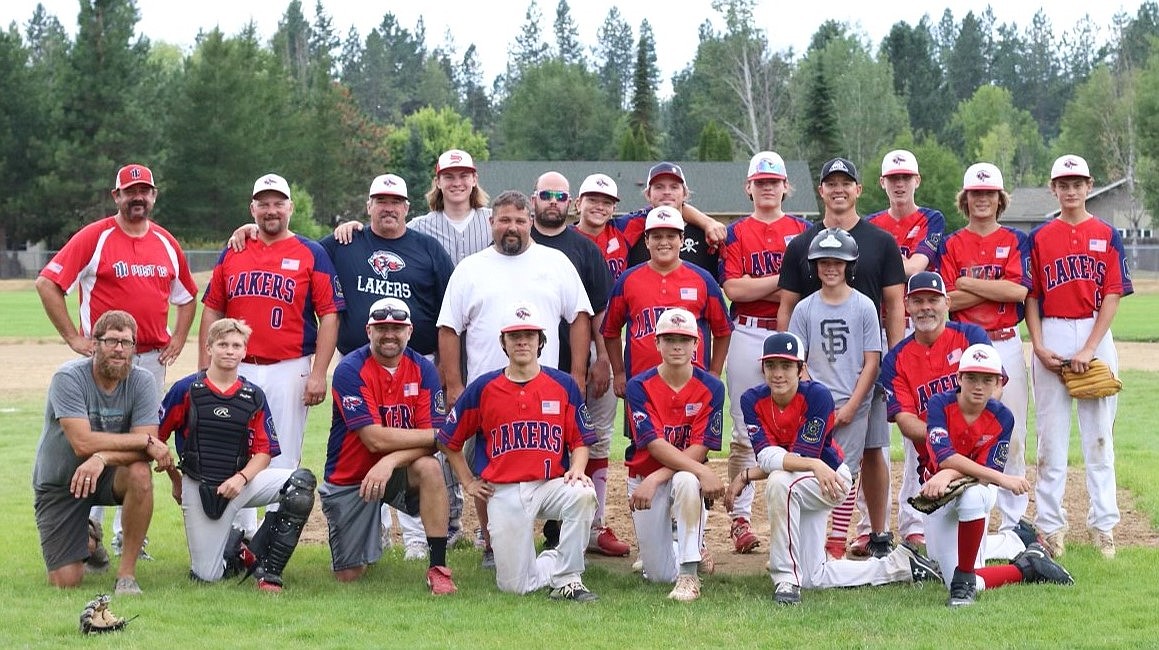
{"x":492,"y":24}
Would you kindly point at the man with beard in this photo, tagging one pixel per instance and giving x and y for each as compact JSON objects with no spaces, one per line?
{"x":284,"y":287}
{"x":97,"y":448}
{"x":128,"y":262}
{"x":485,"y":284}
{"x":550,"y":202}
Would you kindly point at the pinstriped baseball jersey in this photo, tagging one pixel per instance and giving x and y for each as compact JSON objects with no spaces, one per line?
{"x":985,"y":441}
{"x":804,"y":426}
{"x":458,"y":243}
{"x":1001,"y":255}
{"x":693,"y":415}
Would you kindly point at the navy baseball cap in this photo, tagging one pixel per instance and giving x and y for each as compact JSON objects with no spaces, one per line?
{"x":666,"y":169}
{"x":783,"y":345}
{"x":842,"y":165}
{"x":925,"y":281}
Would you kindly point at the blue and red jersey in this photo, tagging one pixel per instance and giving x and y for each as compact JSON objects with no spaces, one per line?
{"x":618,"y":237}
{"x":642,"y":294}
{"x":1073,"y":267}
{"x":365,"y":393}
{"x":692,"y":415}
{"x":912,"y":372}
{"x":1001,"y":255}
{"x":920,"y":232}
{"x":803,"y":427}
{"x":756,"y":248}
{"x":524,"y":431}
{"x":985,"y":441}
{"x":175,"y":416}
{"x":278,"y":289}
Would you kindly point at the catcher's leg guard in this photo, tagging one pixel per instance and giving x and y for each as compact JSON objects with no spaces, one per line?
{"x":275,"y":541}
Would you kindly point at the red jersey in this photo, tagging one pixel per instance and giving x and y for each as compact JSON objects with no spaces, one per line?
{"x":618,"y":237}
{"x":912,"y":372}
{"x":920,"y":232}
{"x":277,"y":289}
{"x":1073,"y":267}
{"x":1002,"y":255}
{"x":642,"y":294}
{"x":523,"y":431}
{"x":175,"y":416}
{"x":693,"y":415}
{"x":365,"y":393}
{"x":804,"y":427}
{"x":141,"y":275}
{"x":985,"y":441}
{"x":755,"y":248}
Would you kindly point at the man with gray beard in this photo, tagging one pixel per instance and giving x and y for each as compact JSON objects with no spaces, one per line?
{"x":97,"y":448}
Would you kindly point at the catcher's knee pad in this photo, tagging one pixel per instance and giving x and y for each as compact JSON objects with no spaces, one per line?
{"x":278,"y":536}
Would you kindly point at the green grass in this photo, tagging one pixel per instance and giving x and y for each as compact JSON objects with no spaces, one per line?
{"x":24,"y":316}
{"x":1109,"y":606}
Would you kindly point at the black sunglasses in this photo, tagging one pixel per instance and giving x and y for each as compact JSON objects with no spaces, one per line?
{"x":390,"y":314}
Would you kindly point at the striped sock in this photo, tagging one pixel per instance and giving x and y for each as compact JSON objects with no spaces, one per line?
{"x":842,"y":514}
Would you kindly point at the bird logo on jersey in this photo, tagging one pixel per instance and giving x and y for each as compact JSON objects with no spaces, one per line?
{"x":638,"y":417}
{"x":385,"y":262}
{"x":351,"y":402}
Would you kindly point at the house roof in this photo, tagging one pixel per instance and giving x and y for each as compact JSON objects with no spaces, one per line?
{"x":1037,"y":204}
{"x":717,"y":187}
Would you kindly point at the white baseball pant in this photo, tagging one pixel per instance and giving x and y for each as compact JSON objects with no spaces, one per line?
{"x":742,"y":372}
{"x":678,"y":498}
{"x":1015,"y":395}
{"x":1096,"y":419}
{"x":511,"y":512}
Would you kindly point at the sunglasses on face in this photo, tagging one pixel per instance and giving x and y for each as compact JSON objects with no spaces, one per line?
{"x":553,"y":195}
{"x":390,"y":314}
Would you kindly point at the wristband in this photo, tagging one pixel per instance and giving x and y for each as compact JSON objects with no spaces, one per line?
{"x":244,"y":478}
{"x":104,"y":461}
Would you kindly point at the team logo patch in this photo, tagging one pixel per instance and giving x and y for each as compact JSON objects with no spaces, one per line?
{"x":383,"y":263}
{"x":934,"y":240}
{"x":811,"y":432}
{"x":291,"y":264}
{"x":638,"y":417}
{"x":440,"y":401}
{"x":938,"y":437}
{"x":351,"y":402}
{"x":716,"y":426}
{"x":550,"y":407}
{"x":752,"y":430}
{"x":1000,"y":453}
{"x":452,"y":418}
{"x":585,"y":417}
{"x":692,"y":409}
{"x":410,"y":389}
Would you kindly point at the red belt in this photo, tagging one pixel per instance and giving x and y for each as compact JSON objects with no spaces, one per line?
{"x":261,"y":361}
{"x":141,"y":350}
{"x":755,"y":321}
{"x":1002,"y":334}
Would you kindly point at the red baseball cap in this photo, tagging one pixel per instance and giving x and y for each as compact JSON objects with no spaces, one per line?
{"x":132,"y":175}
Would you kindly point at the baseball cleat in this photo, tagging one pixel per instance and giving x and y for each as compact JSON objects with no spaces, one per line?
{"x":880,"y":544}
{"x":787,"y":593}
{"x":1036,"y":566}
{"x":743,"y":538}
{"x":127,"y":586}
{"x":1104,"y":541}
{"x":1028,"y":533}
{"x":922,"y":568}
{"x":488,"y":559}
{"x":1055,"y":543}
{"x":269,"y":586}
{"x":638,"y":565}
{"x":439,"y":581}
{"x":416,"y":551}
{"x":859,"y":548}
{"x":604,"y":542}
{"x":573,"y":591}
{"x":551,"y":529}
{"x":835,"y":548}
{"x":687,"y":588}
{"x":963,"y":589}
{"x":915,"y":540}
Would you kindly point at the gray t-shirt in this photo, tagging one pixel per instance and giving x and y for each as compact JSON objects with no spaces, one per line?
{"x":73,"y":393}
{"x":836,"y":339}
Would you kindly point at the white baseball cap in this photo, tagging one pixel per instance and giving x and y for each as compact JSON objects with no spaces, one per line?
{"x":521,"y":317}
{"x":767,"y":164}
{"x":389,"y":310}
{"x":677,"y":321}
{"x":272,"y":182}
{"x":982,"y":176}
{"x":455,"y":159}
{"x":389,"y":185}
{"x":600,"y":184}
{"x":899,"y":161}
{"x":663,"y":217}
{"x":981,"y":358}
{"x":1070,"y":165}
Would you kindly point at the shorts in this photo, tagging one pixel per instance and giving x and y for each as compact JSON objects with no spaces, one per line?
{"x":355,"y":525}
{"x":877,"y":432}
{"x":63,"y":520}
{"x":852,"y":437}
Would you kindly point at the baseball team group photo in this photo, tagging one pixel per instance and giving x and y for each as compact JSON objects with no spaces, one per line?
{"x":851,"y":347}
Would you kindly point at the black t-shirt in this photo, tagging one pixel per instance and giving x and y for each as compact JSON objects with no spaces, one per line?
{"x":879,"y":262}
{"x":593,"y":271}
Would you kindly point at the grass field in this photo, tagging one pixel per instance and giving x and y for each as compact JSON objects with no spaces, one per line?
{"x":1110,"y":606}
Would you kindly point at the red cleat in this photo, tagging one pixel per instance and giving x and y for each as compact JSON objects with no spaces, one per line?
{"x":605,"y":542}
{"x":743,"y":539}
{"x":439,"y":580}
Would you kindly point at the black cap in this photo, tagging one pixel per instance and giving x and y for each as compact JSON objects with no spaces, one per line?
{"x":925,"y":281}
{"x":843,"y":165}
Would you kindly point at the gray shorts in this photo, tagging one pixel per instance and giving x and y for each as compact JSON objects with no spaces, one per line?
{"x":355,"y":525}
{"x":852,"y":437}
{"x":877,"y":433}
{"x":63,"y":520}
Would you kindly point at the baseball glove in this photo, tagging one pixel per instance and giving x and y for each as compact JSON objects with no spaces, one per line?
{"x":926,"y":505}
{"x":1098,"y":381}
{"x":96,"y":618}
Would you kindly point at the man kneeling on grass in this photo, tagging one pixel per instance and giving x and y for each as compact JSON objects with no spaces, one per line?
{"x":225,"y":436}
